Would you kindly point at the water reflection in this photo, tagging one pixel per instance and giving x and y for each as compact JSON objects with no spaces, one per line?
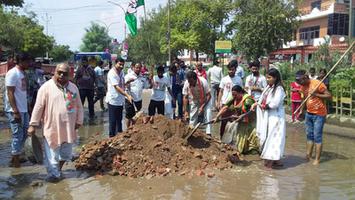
{"x":267,"y":188}
{"x":298,"y":179}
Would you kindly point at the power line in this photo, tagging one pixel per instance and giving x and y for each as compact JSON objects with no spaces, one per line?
{"x":83,"y":22}
{"x":53,"y":10}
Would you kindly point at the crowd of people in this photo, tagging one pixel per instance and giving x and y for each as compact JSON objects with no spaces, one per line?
{"x":250,"y":109}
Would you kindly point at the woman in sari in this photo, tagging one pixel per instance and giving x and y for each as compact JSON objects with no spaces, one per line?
{"x":270,"y":121}
{"x":242,"y":129}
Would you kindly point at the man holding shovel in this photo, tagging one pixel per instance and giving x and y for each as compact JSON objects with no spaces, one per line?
{"x":197,"y":95}
{"x":59,"y":106}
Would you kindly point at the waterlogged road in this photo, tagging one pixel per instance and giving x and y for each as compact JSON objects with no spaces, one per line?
{"x":333,"y":179}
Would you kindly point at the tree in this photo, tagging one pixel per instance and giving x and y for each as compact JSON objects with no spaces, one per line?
{"x":60,"y":53}
{"x":262,"y":26}
{"x":195,"y":25}
{"x":95,"y":39}
{"x":23,"y":33}
{"x":18,"y":3}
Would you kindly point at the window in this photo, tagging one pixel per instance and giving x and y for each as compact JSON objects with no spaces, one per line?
{"x":309,"y":33}
{"x":338,"y":24}
{"x":316,"y":4}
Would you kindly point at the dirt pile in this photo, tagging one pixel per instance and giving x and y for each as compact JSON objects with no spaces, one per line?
{"x":159,"y":149}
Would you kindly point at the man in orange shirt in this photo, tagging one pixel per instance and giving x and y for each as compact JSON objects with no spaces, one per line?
{"x":316,"y":112}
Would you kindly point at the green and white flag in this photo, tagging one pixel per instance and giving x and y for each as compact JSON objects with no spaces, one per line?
{"x":130,"y":17}
{"x":140,"y":3}
{"x":131,"y":21}
{"x":135,"y":4}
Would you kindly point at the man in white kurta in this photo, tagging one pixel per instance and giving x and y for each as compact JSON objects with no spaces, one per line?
{"x":59,"y":106}
{"x":197,"y":95}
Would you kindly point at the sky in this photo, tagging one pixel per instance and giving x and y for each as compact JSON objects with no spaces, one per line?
{"x":67,"y":19}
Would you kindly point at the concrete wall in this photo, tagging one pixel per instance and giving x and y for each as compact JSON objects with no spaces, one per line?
{"x":322,"y":22}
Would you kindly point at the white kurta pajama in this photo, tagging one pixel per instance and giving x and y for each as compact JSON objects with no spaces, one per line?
{"x":271,"y":124}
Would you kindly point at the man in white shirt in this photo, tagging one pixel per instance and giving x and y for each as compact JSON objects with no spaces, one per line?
{"x":255,"y":82}
{"x":16,"y":107}
{"x":312,"y":73}
{"x":226,"y":86}
{"x":100,"y":83}
{"x":214,"y":74}
{"x":240,"y":72}
{"x":159,"y":85}
{"x":115,"y":97}
{"x":197,"y":95}
{"x":135,"y":83}
{"x":228,"y":82}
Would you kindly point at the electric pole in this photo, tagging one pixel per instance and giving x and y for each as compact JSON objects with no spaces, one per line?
{"x":47,"y":25}
{"x":169,"y":48}
{"x":350,"y":20}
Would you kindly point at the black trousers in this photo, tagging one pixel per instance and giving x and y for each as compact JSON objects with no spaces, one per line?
{"x":156,"y":105}
{"x":115,"y":119}
{"x":89,"y":94}
{"x":131,"y":108}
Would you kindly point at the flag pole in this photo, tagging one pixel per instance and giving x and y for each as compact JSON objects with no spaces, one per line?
{"x":145,"y":20}
{"x":169,"y":47}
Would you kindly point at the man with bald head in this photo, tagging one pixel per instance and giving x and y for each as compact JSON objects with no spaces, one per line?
{"x":59,"y":107}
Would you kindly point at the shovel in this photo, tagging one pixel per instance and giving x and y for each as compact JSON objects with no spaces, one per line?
{"x":33,"y":149}
{"x":210,"y":122}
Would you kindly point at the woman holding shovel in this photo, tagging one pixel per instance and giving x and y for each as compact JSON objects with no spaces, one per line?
{"x":271,"y":124}
{"x":240,"y":132}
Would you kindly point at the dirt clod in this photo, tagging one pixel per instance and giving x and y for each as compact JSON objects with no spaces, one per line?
{"x":152,"y":150}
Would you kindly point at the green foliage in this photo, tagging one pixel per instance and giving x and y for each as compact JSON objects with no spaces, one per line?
{"x":60,"y":53}
{"x":18,"y":3}
{"x":95,"y":39}
{"x":23,"y":33}
{"x":262,"y":26}
{"x":288,"y":70}
{"x":344,"y":77}
{"x":195,"y":25}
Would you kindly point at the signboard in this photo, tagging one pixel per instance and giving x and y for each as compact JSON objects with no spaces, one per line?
{"x":223,"y":46}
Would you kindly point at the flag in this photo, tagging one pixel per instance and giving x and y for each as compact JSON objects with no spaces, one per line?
{"x":135,"y":3}
{"x":131,"y":21}
{"x":140,"y":3}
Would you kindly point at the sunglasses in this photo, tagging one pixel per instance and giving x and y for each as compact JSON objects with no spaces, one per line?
{"x":62,"y":73}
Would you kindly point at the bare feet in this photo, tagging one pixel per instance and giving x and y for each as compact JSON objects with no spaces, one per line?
{"x":151,"y":120}
{"x":277,"y":163}
{"x":241,"y":157}
{"x":268,"y":164}
{"x":316,"y":162}
{"x":308,"y":158}
{"x":15,"y":161}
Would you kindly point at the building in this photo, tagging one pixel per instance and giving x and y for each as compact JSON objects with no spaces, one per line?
{"x":320,"y":20}
{"x":189,"y":57}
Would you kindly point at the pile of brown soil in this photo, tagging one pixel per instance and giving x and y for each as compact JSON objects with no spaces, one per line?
{"x":159,"y":149}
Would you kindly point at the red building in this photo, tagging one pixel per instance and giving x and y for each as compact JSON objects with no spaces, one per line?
{"x":320,"y":19}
